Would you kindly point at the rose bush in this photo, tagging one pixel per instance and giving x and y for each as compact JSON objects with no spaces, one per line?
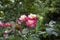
{"x":26,"y":27}
{"x":30,"y":20}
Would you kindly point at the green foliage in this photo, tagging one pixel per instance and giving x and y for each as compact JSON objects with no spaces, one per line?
{"x":57,"y":27}
{"x":12,"y":9}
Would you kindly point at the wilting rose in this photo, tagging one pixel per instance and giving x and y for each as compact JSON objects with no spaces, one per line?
{"x":2,"y":24}
{"x":7,"y":24}
{"x":18,"y":27}
{"x":22,"y":18}
{"x":31,"y":23}
{"x":18,"y":21}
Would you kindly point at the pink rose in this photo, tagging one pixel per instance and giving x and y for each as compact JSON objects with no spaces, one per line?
{"x":22,"y":18}
{"x":32,"y":16}
{"x":7,"y":24}
{"x":5,"y":35}
{"x":31,"y":23}
{"x":2,"y":24}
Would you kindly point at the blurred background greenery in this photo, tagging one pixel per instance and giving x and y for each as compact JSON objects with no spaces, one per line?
{"x":12,"y":9}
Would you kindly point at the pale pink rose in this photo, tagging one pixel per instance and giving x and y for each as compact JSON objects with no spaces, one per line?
{"x":7,"y":24}
{"x":5,"y":35}
{"x":31,"y":23}
{"x":32,"y":16}
{"x":23,"y":18}
{"x":2,"y":24}
{"x":6,"y":31}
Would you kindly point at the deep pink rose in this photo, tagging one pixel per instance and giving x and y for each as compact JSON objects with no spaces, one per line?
{"x":31,"y":23}
{"x":2,"y":24}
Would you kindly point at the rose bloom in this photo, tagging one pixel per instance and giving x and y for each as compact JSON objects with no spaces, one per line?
{"x":31,"y":23}
{"x":7,"y":24}
{"x":18,"y":21}
{"x":32,"y":16}
{"x":2,"y":24}
{"x":5,"y":35}
{"x":22,"y":18}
